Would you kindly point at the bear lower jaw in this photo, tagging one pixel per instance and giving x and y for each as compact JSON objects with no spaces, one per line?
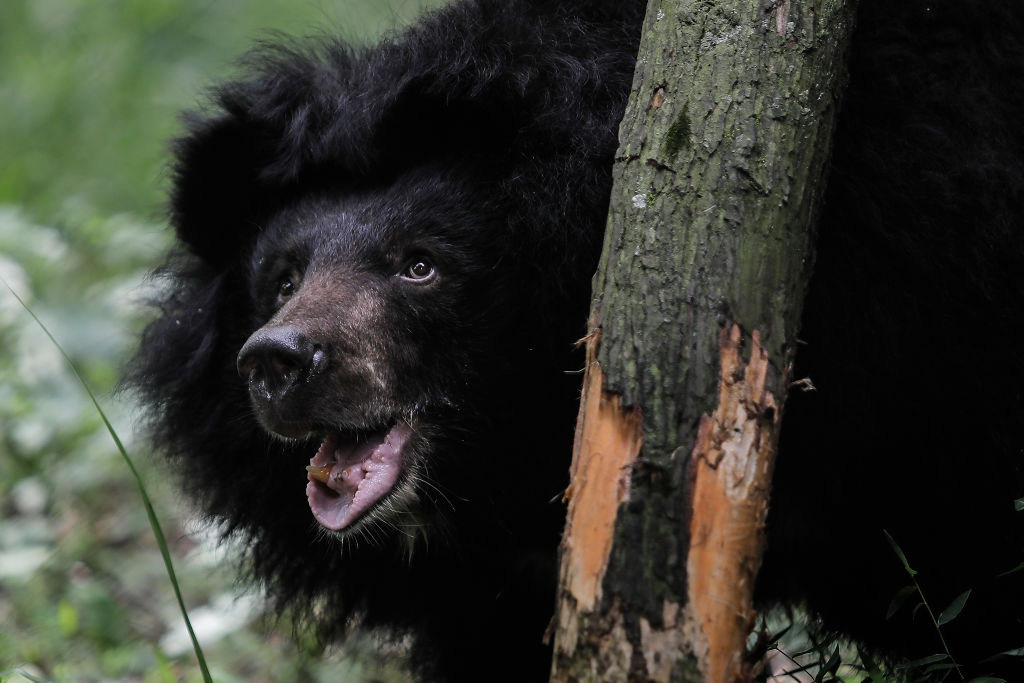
{"x":347,"y":477}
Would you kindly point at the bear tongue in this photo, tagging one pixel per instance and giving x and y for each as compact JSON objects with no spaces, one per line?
{"x":346,"y":479}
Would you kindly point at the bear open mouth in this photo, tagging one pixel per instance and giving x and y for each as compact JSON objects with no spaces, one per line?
{"x":348,"y":476}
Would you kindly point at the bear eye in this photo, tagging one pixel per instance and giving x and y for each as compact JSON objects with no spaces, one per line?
{"x":285,"y":286}
{"x":419,"y":270}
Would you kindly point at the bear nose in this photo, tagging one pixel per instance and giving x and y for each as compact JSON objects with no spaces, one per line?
{"x":279,"y":356}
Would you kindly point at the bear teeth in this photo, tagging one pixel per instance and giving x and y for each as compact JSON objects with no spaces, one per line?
{"x":321,"y":474}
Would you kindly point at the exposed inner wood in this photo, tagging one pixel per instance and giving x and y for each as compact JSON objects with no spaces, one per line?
{"x":608,"y":440}
{"x":731,"y":466}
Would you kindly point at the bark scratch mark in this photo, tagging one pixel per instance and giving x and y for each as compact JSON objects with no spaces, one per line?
{"x":732,"y":461}
{"x":608,"y":440}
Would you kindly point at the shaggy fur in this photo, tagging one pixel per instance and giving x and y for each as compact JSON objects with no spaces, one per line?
{"x":408,"y":232}
{"x":912,"y":332}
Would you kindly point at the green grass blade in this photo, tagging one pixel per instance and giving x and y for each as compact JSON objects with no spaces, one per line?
{"x":150,"y":513}
{"x":19,"y":672}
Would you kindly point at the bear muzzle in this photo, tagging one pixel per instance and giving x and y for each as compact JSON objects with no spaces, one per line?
{"x":276,"y":361}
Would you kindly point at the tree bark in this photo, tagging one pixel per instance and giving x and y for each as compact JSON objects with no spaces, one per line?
{"x":720,"y":169}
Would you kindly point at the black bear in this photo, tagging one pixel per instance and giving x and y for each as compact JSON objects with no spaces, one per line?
{"x":363,"y":360}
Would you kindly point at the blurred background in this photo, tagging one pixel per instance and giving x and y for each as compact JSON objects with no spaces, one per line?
{"x":90,"y":91}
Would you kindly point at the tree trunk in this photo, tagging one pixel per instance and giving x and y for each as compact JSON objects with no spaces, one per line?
{"x":719,"y":174}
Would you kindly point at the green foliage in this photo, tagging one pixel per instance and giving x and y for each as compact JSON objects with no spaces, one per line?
{"x":940,"y":666}
{"x":151,"y":517}
{"x":939,"y":663}
{"x":91,"y":89}
{"x":89,"y":95}
{"x":789,"y":650}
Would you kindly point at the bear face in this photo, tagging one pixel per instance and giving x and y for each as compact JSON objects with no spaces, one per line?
{"x":378,"y":311}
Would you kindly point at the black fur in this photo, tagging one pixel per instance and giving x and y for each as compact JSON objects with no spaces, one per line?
{"x":480,"y":142}
{"x":912,"y":329}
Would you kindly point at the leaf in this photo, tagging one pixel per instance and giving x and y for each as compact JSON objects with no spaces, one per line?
{"x":953,"y":610}
{"x":1015,"y":652}
{"x":924,"y":661}
{"x":1011,"y":571}
{"x":899,"y":553}
{"x":871,"y":667}
{"x":1018,"y":505}
{"x":832,"y":665}
{"x":899,"y":600}
{"x":987,"y":679}
{"x":829,"y":667}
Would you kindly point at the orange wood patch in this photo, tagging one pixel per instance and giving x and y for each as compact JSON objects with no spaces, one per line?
{"x":608,"y":440}
{"x":732,"y":465}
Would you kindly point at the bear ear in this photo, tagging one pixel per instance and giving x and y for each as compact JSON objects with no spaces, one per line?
{"x":218,"y":198}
